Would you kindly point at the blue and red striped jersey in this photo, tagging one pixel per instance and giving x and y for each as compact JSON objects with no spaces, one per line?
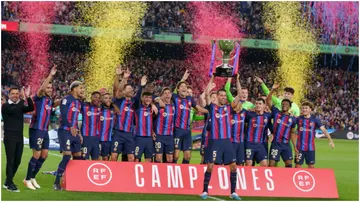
{"x":282,"y":125}
{"x":306,"y":132}
{"x":238,"y":126}
{"x":90,"y":119}
{"x":182,"y":111}
{"x":69,"y":109}
{"x":106,"y":123}
{"x":165,"y":120}
{"x":124,"y":121}
{"x":144,"y":121}
{"x":256,"y":125}
{"x":220,"y":125}
{"x":41,"y":119}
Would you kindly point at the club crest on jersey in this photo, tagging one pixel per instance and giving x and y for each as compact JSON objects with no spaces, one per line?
{"x":278,"y":121}
{"x":73,"y":109}
{"x":164,"y":114}
{"x":311,"y":124}
{"x":255,"y":125}
{"x":225,"y":108}
{"x":265,"y":120}
{"x":173,"y":108}
{"x":217,"y":115}
{"x":301,"y":129}
{"x":242,"y":114}
{"x":102,"y":118}
{"x":88,"y":113}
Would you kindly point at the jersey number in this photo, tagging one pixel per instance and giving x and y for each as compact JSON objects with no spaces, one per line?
{"x":40,"y":141}
{"x":157,"y":145}
{"x":274,"y":152}
{"x":176,"y":140}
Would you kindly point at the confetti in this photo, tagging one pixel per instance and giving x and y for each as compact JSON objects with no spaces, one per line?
{"x":211,"y":21}
{"x":37,"y":44}
{"x":284,"y":21}
{"x":118,"y":24}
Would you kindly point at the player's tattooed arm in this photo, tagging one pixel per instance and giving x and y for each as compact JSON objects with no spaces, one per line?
{"x":46,"y":82}
{"x":208,"y":89}
{"x":269,"y":101}
{"x":331,"y":143}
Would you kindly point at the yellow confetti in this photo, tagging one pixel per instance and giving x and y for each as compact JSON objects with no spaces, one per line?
{"x":284,"y":21}
{"x":117,"y":25}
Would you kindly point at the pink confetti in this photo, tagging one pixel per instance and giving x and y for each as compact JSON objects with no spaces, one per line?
{"x":211,"y":21}
{"x":37,"y":44}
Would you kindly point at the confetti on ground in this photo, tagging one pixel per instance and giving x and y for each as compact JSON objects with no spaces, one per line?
{"x":211,"y":21}
{"x":35,"y":44}
{"x":117,"y":24}
{"x":284,"y":21}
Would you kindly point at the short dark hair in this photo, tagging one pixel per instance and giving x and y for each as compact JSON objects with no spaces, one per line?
{"x":289,"y":90}
{"x":189,"y":87}
{"x":75,"y":84}
{"x":179,"y":84}
{"x":309,"y":104}
{"x":244,"y":88}
{"x":213,"y":92}
{"x":126,"y":85}
{"x":95,"y":92}
{"x":106,"y":94}
{"x":287,"y":100}
{"x":13,"y":88}
{"x":221,"y":90}
{"x":164,"y":89}
{"x":260,"y":99}
{"x":146,"y":93}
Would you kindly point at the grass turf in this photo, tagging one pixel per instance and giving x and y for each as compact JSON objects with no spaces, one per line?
{"x":344,"y":159}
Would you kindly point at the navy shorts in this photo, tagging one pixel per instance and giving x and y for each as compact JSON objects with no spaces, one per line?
{"x":69,"y":142}
{"x":309,"y":156}
{"x":256,"y":150}
{"x":38,"y":139}
{"x":182,"y":139}
{"x":144,"y":145}
{"x":90,"y":147}
{"x":164,"y":144}
{"x":220,"y":152}
{"x":122,"y":142}
{"x":239,"y":149}
{"x":266,"y":147}
{"x":105,"y":148}
{"x":280,"y":149}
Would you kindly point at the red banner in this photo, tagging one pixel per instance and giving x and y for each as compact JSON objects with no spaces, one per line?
{"x":9,"y":26}
{"x":100,"y":176}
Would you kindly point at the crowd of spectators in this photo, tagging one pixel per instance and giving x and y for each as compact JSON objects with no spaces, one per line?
{"x":174,"y":17}
{"x":334,"y":92}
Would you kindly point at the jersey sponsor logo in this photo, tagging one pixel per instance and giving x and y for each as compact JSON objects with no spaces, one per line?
{"x":99,"y":174}
{"x":278,"y":121}
{"x":126,"y":108}
{"x":88,"y":113}
{"x":304,"y":181}
{"x":102,"y":118}
{"x":146,"y":113}
{"x":74,"y":109}
{"x":47,"y":107}
{"x":217,"y":115}
{"x":164,"y":114}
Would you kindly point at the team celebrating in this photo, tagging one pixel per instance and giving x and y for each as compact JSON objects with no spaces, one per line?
{"x":236,"y":132}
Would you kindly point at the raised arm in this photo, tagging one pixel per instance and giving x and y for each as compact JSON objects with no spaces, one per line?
{"x":208,"y":89}
{"x":161,"y":103}
{"x":276,"y":101}
{"x":122,"y":84}
{"x":269,"y":101}
{"x":185,"y":76}
{"x":227,"y":90}
{"x":117,"y":78}
{"x":46,"y":82}
{"x":238,"y":89}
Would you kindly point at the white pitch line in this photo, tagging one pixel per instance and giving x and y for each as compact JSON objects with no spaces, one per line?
{"x":217,"y":199}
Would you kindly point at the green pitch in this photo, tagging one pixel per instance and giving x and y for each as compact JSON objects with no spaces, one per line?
{"x":343,"y":159}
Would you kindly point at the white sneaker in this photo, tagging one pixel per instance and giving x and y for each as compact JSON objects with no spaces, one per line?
{"x":33,"y":182}
{"x":29,"y":185}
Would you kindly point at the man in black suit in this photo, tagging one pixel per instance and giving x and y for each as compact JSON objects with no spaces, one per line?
{"x":13,"y":116}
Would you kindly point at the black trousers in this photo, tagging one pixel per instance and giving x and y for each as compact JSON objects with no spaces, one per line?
{"x":14,"y":146}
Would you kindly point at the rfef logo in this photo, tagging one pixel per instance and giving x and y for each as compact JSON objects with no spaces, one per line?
{"x":99,"y":174}
{"x":304,"y":181}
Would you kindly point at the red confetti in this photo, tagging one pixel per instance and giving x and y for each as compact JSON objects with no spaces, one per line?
{"x":37,"y":44}
{"x":211,"y":21}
